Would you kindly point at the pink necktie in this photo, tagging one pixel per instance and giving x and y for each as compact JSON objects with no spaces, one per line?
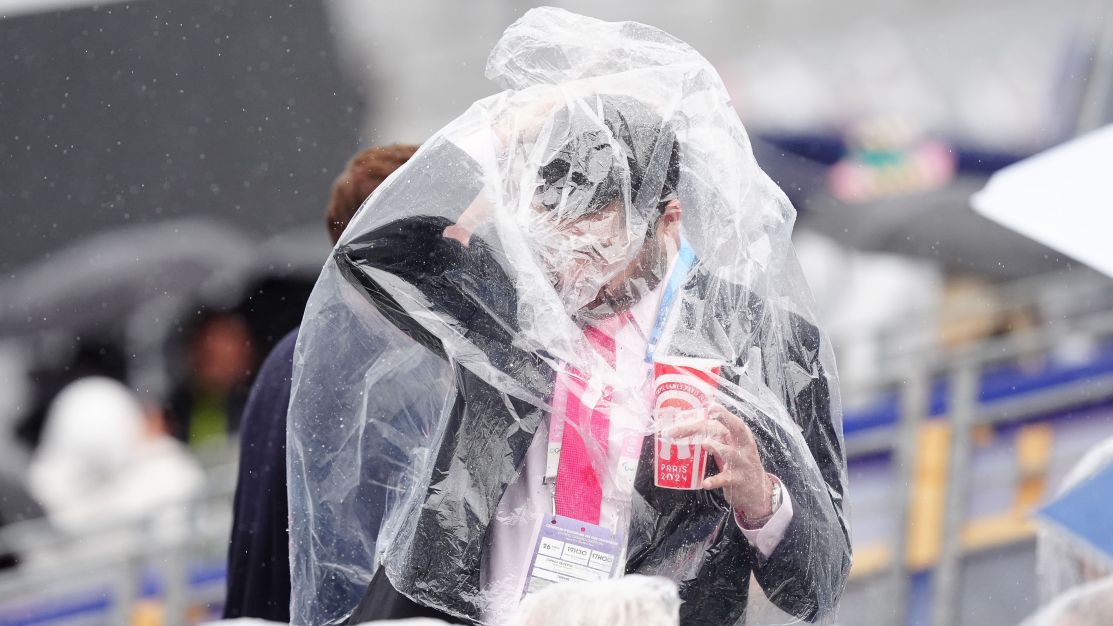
{"x":579,"y":494}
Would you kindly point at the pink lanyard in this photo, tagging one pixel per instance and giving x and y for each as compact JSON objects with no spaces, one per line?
{"x":582,"y":413}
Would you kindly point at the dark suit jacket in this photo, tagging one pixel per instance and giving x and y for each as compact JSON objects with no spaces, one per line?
{"x":259,"y":548}
{"x":489,"y":432}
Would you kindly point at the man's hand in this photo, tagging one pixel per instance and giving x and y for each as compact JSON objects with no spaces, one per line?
{"x":478,"y":212}
{"x":528,"y":112}
{"x":742,"y":477}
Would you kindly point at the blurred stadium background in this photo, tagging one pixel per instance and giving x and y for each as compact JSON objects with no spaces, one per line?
{"x":166,"y":164}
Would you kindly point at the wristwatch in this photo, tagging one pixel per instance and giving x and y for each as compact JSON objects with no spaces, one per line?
{"x":776,"y":495}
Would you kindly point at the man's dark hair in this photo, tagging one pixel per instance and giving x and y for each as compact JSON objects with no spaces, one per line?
{"x":582,"y":158}
{"x":364,"y":172}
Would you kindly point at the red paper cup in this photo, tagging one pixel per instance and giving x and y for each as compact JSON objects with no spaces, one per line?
{"x":683,"y":389}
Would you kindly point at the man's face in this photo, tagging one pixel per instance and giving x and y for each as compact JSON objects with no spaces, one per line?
{"x":598,"y":264}
{"x":636,"y":279}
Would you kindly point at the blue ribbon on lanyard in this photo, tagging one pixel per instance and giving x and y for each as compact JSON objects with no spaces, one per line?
{"x":686,"y":257}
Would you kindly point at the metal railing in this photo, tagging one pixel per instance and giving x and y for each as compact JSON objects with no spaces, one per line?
{"x":58,"y":566}
{"x":962,"y":370}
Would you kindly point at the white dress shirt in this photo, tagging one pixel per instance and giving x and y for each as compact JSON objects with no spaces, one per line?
{"x":513,"y":531}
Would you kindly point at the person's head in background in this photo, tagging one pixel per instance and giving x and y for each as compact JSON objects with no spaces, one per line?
{"x":220,"y":352}
{"x":363,"y":174}
{"x":1063,"y":563}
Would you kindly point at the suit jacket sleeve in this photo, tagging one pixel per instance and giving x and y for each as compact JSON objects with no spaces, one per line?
{"x":806,"y":573}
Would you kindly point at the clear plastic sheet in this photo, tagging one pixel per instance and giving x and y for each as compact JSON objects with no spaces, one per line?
{"x":1087,"y":605}
{"x":553,"y":260}
{"x":628,"y":601}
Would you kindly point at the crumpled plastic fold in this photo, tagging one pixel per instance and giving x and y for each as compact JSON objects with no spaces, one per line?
{"x":609,"y":190}
{"x":1089,"y":604}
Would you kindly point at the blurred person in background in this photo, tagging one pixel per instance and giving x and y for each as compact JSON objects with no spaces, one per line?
{"x":1063,"y":563}
{"x":104,"y":460}
{"x":87,"y":355}
{"x":258,"y":553}
{"x":206,"y":407}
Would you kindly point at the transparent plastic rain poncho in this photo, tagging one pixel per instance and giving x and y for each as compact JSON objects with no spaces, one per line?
{"x":609,"y":191}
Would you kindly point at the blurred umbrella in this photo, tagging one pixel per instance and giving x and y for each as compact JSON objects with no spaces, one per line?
{"x":297,"y":252}
{"x":109,"y":275}
{"x":936,"y":225}
{"x":1085,"y":513}
{"x":1062,"y":198}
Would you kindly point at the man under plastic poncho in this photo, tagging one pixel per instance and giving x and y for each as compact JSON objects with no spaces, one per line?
{"x":569,"y":340}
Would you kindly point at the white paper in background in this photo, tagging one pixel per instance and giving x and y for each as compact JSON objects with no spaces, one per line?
{"x":1062,"y":198}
